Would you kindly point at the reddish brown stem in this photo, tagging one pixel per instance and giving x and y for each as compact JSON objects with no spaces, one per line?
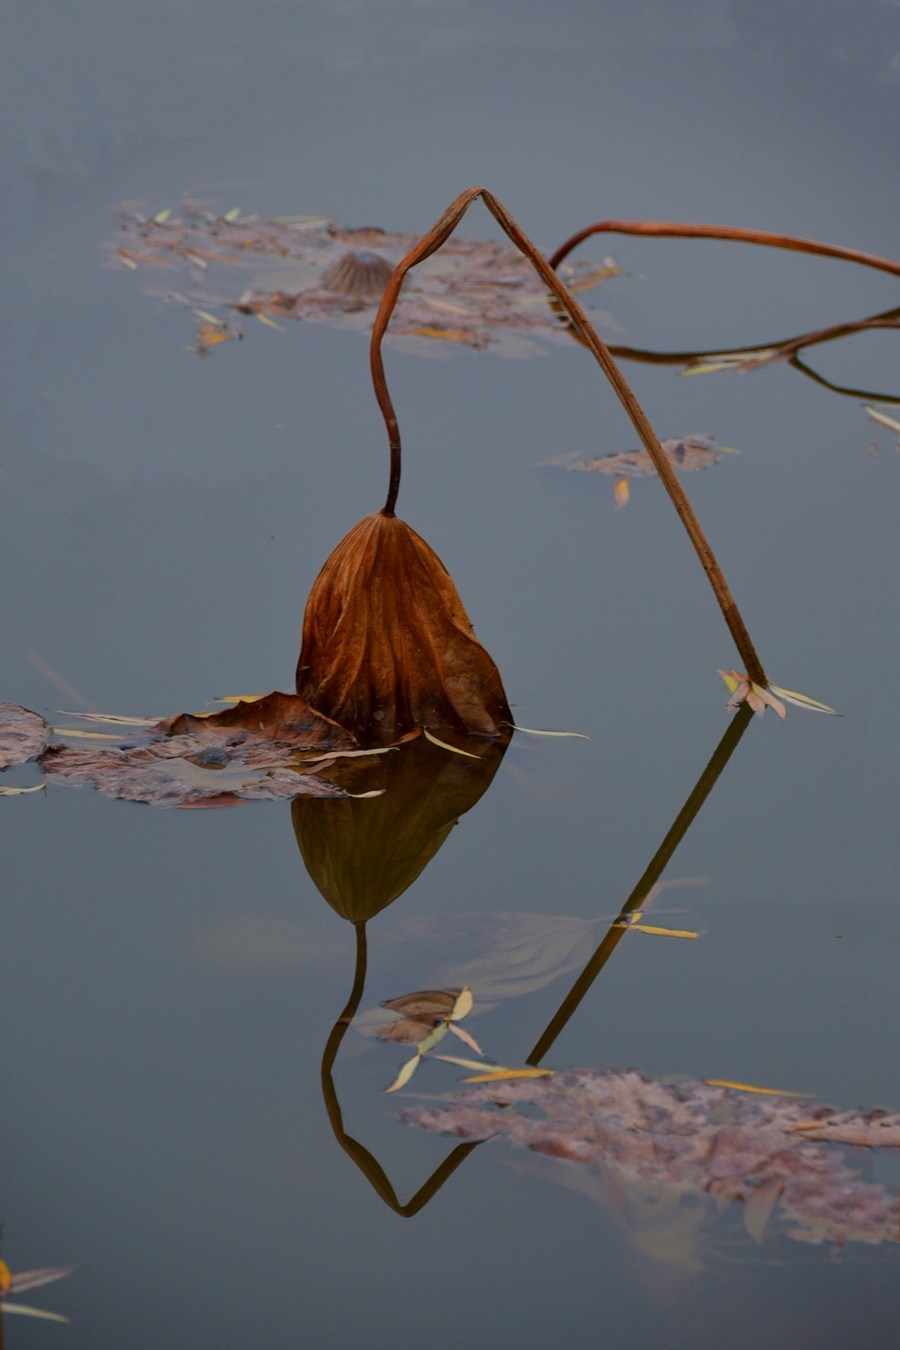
{"x":585,"y":331}
{"x":668,"y":229}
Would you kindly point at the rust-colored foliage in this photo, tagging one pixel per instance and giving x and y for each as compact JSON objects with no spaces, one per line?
{"x":387,"y":645}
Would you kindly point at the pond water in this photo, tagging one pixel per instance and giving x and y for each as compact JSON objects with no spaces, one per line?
{"x":169,"y":980}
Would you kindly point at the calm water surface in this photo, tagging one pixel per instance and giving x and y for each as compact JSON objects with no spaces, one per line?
{"x":168,"y":980}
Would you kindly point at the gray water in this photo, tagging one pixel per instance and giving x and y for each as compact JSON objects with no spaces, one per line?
{"x":168,"y":979}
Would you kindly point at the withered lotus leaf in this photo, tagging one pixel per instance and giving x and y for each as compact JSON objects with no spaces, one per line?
{"x":387,"y":645}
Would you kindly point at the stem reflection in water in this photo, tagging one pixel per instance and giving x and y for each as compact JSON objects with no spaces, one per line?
{"x":362,"y":862}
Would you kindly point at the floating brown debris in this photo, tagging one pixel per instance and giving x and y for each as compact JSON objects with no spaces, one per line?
{"x":475,"y":293}
{"x":680,"y":1143}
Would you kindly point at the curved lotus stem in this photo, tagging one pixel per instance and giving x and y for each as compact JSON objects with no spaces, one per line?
{"x":668,"y":229}
{"x":432,"y":241}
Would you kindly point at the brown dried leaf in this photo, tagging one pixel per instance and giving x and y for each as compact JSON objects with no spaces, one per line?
{"x":23,"y":735}
{"x":387,"y":645}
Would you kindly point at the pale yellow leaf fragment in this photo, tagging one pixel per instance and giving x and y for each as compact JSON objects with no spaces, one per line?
{"x":405,"y":1074}
{"x":86,"y":735}
{"x":471,"y":1064}
{"x":500,"y":1075}
{"x":270,"y":323}
{"x":532,"y":731}
{"x":112,"y":719}
{"x":657,"y":932}
{"x":890,"y":422}
{"x":21,"y":792}
{"x":463,"y":1005}
{"x":751,"y":1087}
{"x":444,"y":746}
{"x":803,"y":701}
{"x":25,"y":1311}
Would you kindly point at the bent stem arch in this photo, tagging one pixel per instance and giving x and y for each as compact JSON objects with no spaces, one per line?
{"x":669,"y":229}
{"x":429,"y":244}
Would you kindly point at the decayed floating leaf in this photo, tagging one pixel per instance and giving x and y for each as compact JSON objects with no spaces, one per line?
{"x":274,"y":747}
{"x":872,"y":1129}
{"x":21,"y":791}
{"x":23,"y":735}
{"x":311,"y":269}
{"x":676,"y":1142}
{"x":387,"y":645}
{"x":686,"y":453}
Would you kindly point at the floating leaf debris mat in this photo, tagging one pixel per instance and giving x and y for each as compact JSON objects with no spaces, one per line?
{"x":473,"y":293}
{"x":261,"y":749}
{"x":692,"y":1143}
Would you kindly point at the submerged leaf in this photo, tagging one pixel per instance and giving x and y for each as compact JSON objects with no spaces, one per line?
{"x":680,"y":1143}
{"x":426,"y":1003}
{"x":387,"y":645}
